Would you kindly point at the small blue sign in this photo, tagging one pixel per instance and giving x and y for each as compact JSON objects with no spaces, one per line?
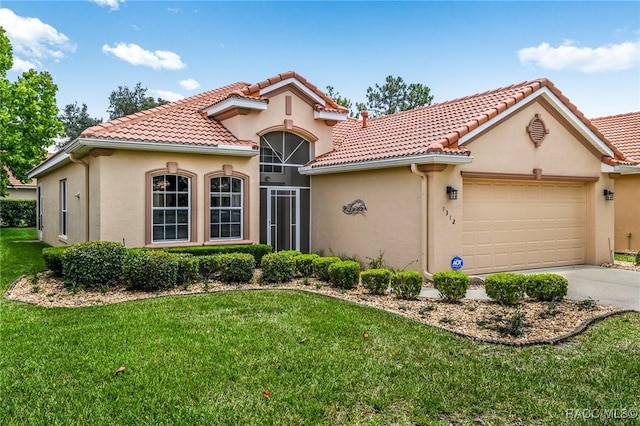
{"x":457,"y":263}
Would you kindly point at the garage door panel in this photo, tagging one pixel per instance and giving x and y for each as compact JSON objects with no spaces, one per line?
{"x":515,"y":225}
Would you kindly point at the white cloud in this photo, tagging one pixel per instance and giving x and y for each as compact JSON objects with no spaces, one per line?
{"x":33,"y":41}
{"x":20,"y":65}
{"x":174,"y":9}
{"x":136,"y":55}
{"x":189,"y":84}
{"x":168,"y":95}
{"x":111,"y":4}
{"x":568,"y":56}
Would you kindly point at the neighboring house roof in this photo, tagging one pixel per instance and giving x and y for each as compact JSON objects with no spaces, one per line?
{"x":437,"y":128}
{"x":15,"y":183}
{"x":623,"y":131}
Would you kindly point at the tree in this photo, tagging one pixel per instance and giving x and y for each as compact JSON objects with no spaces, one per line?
{"x":75,"y":120}
{"x":125,"y":101}
{"x":333,"y":94}
{"x":395,"y":96}
{"x":28,"y":122}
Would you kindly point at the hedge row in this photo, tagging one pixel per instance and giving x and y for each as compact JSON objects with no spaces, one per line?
{"x":16,"y":213}
{"x":506,"y":288}
{"x":256,"y":250}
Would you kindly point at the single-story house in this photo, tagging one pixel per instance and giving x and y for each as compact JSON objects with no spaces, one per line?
{"x":18,"y":190}
{"x":623,"y":131}
{"x":507,"y":179}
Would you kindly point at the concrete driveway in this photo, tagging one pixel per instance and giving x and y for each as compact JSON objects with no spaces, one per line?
{"x":608,"y":286}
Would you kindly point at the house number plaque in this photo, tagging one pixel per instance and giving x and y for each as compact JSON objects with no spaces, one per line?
{"x":355,"y":207}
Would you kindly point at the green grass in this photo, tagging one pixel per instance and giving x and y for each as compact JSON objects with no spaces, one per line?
{"x":625,"y":257}
{"x":207,"y":359}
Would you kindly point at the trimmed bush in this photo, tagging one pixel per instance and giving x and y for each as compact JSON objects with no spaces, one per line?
{"x":505,"y":288}
{"x":16,"y":213}
{"x":637,"y":260}
{"x":188,"y":266}
{"x":53,"y":258}
{"x":321,"y":265}
{"x":304,"y":264}
{"x":376,"y":280}
{"x":406,"y":284}
{"x":344,"y":274}
{"x":236,"y":267}
{"x":208,"y":266}
{"x":256,"y":250}
{"x":546,"y":287}
{"x":278,"y":267}
{"x":94,"y":264}
{"x":293,"y":253}
{"x":452,"y":285}
{"x":150,"y":270}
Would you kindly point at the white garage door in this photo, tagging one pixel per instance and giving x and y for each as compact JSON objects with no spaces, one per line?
{"x":511,"y":225}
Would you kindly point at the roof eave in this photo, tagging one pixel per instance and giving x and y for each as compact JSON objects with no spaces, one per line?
{"x":53,"y":163}
{"x":84,"y":145}
{"x":234,"y":102}
{"x":453,"y":159}
{"x":623,"y":169}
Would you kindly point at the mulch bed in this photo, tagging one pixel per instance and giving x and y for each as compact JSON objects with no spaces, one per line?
{"x":527,"y":323}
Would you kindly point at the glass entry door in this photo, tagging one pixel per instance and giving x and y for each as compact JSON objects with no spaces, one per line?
{"x":283,"y":218}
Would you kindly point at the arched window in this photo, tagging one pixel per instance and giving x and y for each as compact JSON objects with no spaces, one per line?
{"x":170,"y":208}
{"x":227,"y":196}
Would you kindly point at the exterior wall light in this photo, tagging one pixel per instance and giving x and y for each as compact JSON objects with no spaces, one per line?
{"x":452,"y":193}
{"x":608,"y":195}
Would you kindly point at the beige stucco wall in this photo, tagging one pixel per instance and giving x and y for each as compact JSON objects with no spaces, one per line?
{"x":391,"y":222}
{"x":74,"y":174}
{"x":627,"y":212}
{"x":122,"y":192}
{"x":22,"y":193}
{"x":247,"y":127}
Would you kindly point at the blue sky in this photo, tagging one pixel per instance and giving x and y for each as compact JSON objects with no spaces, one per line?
{"x":589,"y":50}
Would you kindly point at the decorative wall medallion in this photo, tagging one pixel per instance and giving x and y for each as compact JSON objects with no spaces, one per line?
{"x":537,"y":130}
{"x":355,"y":207}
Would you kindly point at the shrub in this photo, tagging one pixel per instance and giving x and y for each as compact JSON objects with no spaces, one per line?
{"x":546,"y":287}
{"x":292,"y":253}
{"x":208,"y":266}
{"x":236,"y":267}
{"x":376,"y":280}
{"x":278,"y":267}
{"x":304,"y":264}
{"x":17,"y":213}
{"x":94,"y":264}
{"x":344,"y":274}
{"x":505,"y":288}
{"x":150,"y":270}
{"x":187,"y":272}
{"x":256,"y":250}
{"x":406,"y":284}
{"x":637,"y":259}
{"x":321,"y":265}
{"x":452,"y":285}
{"x":53,"y":259}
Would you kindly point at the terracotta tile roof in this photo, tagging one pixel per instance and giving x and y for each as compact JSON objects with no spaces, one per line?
{"x":178,"y":122}
{"x":434,"y":128}
{"x":15,"y":183}
{"x":254,"y":90}
{"x":623,"y":131}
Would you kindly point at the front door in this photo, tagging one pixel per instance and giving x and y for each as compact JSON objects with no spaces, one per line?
{"x":283,"y":217}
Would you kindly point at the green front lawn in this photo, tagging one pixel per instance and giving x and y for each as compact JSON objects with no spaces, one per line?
{"x":208,"y":359}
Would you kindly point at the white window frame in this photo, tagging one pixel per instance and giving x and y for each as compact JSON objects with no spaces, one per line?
{"x":229,"y":208}
{"x":176,"y":209}
{"x":64,"y":208}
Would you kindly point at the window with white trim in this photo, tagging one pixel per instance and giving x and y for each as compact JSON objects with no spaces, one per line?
{"x":226,"y":208}
{"x":64,"y":213}
{"x":171,"y":208}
